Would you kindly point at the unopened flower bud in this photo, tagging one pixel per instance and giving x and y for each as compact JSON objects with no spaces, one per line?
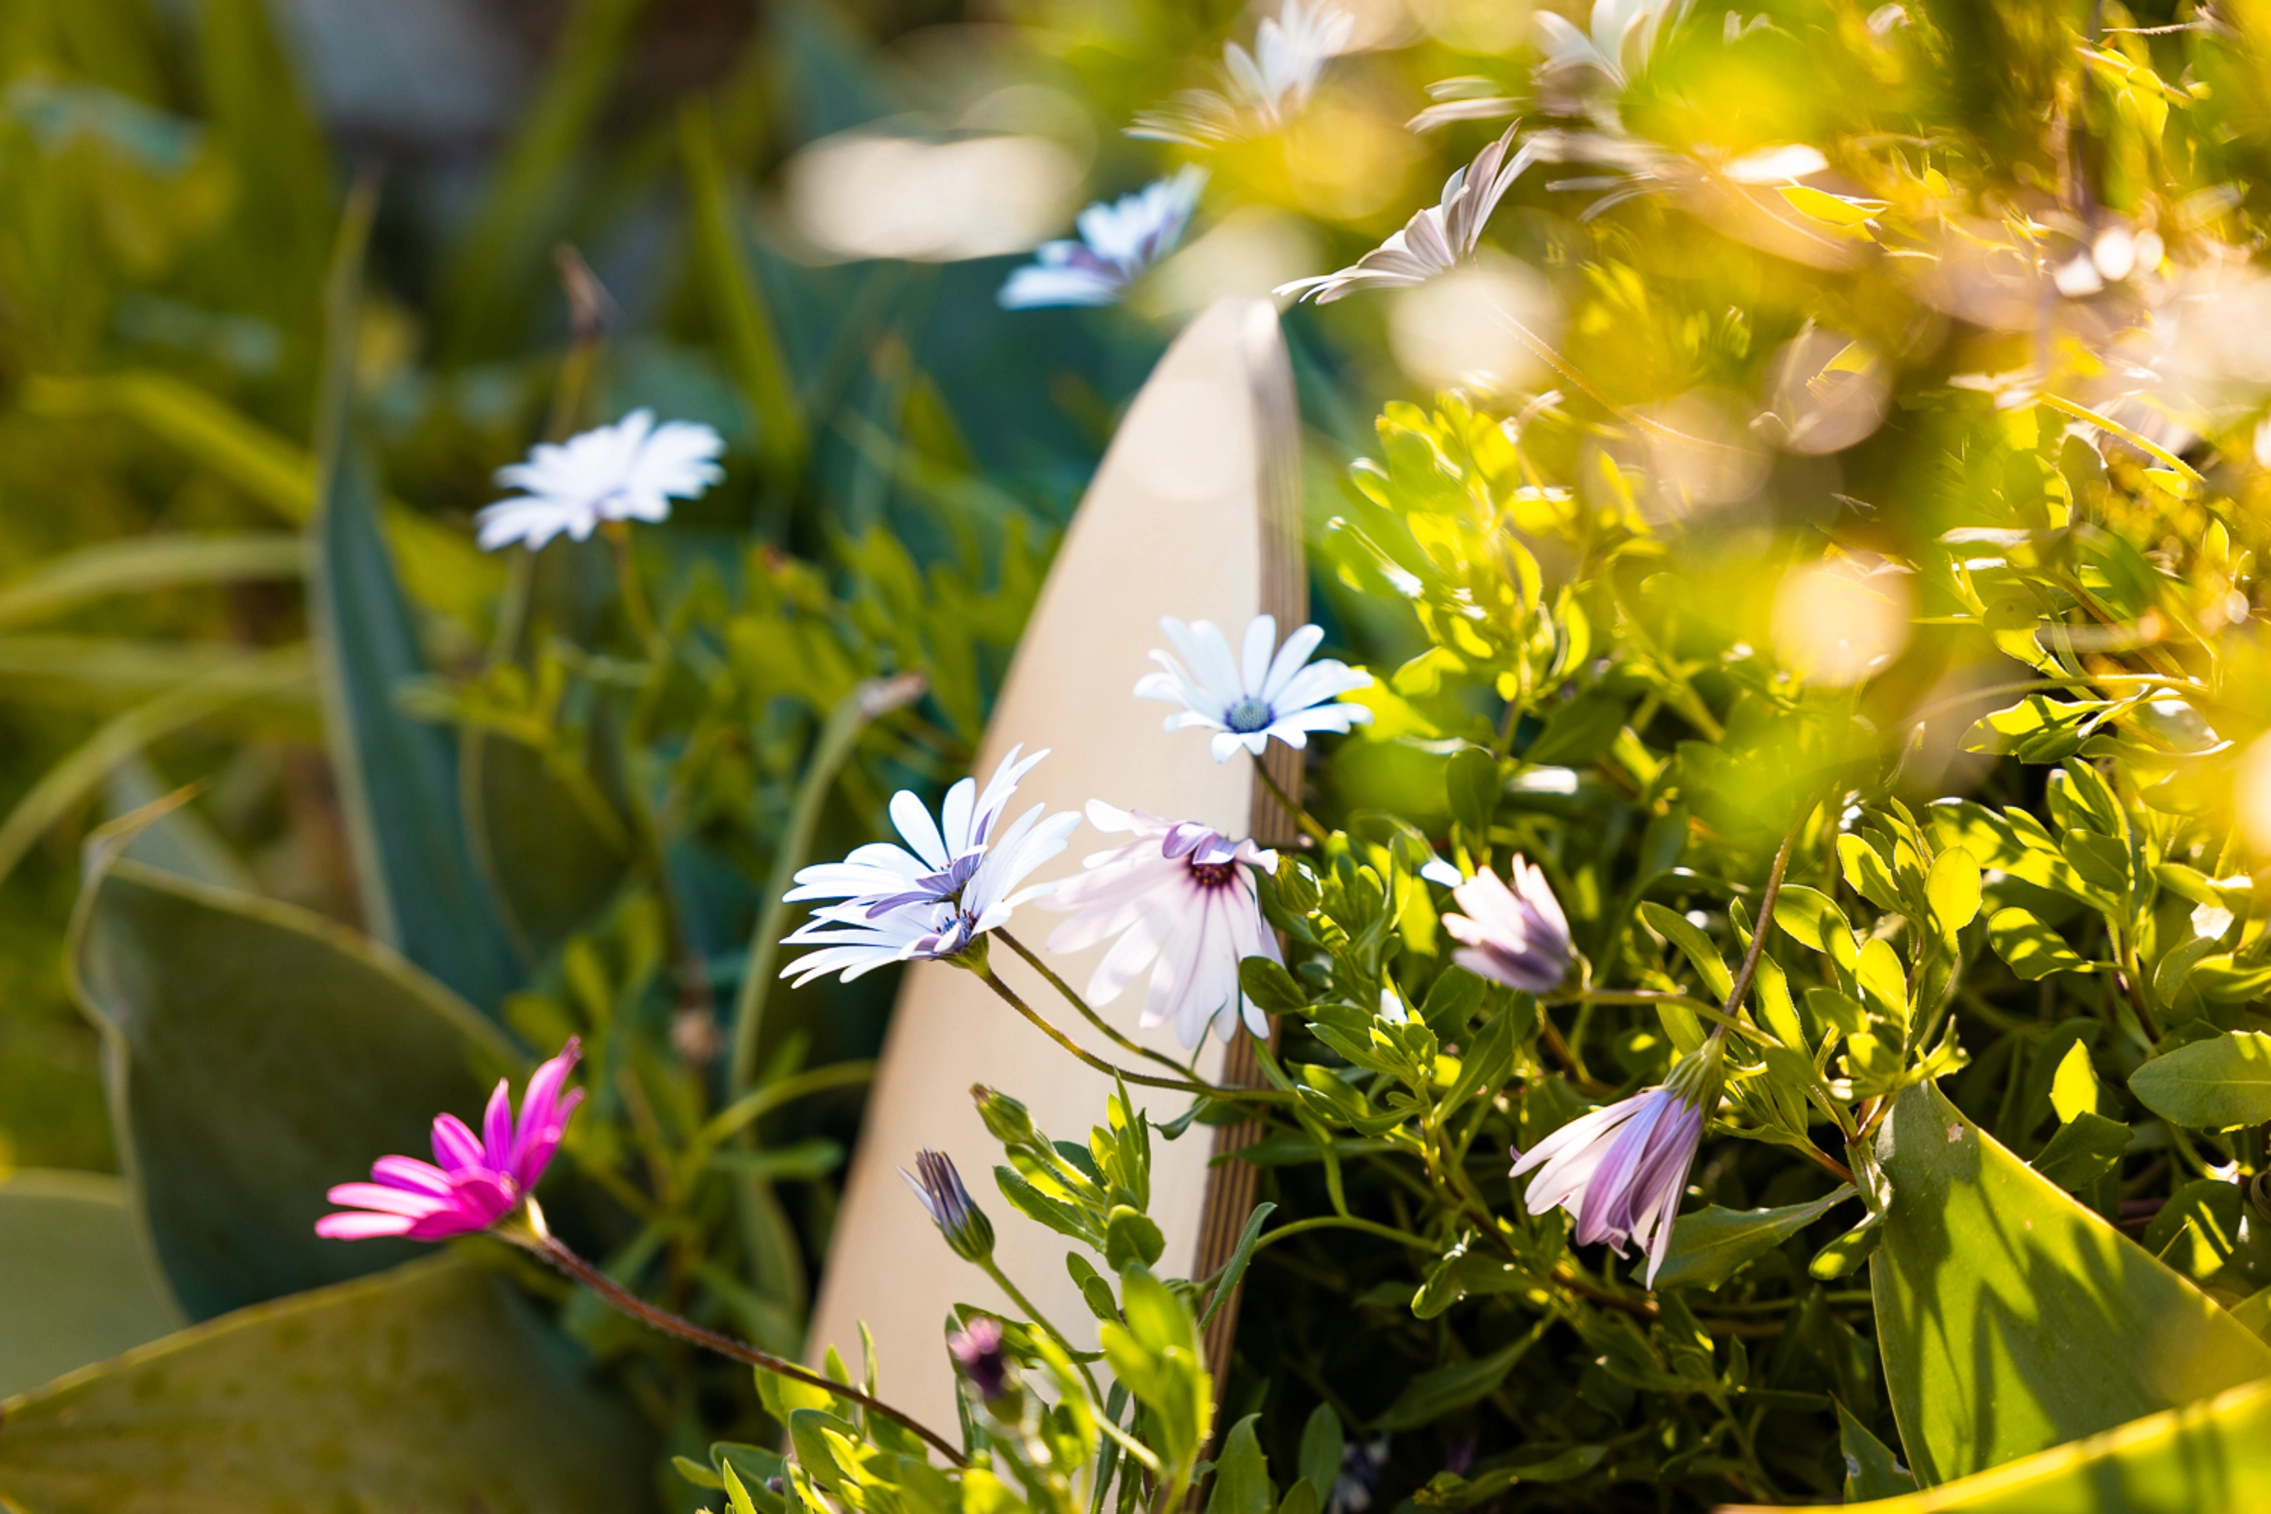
{"x":1005,"y":1118}
{"x":976,"y":1348}
{"x":957,"y":1216}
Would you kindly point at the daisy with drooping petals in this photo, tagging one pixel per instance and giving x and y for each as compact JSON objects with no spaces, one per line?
{"x":1516,"y":936}
{"x":958,"y":883}
{"x":1180,"y":900}
{"x":1261,"y":90}
{"x":1621,"y":1170}
{"x":1247,"y":700}
{"x":631,"y":470}
{"x":1118,"y":243}
{"x":1434,"y":241}
{"x":479,"y":1182}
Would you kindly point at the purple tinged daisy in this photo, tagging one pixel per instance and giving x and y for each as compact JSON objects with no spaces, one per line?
{"x":1261,"y":90}
{"x":1119,"y":242}
{"x":631,"y":470}
{"x":479,"y":1182}
{"x":1180,"y":900}
{"x":960,"y":881}
{"x":1248,"y":699}
{"x":1435,"y":240}
{"x":1516,"y":936}
{"x":957,"y":1215}
{"x":1621,"y":1170}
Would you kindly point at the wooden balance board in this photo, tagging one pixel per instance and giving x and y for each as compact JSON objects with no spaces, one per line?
{"x":1194,"y":513}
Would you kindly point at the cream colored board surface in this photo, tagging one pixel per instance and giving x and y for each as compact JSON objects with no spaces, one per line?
{"x":1173,"y":524}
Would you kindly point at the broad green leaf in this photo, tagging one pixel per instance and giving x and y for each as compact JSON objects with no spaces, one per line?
{"x":257,"y":1055}
{"x":178,"y":840}
{"x":1884,"y":986}
{"x":1578,"y":731}
{"x":2032,"y":948}
{"x":1809,"y":916}
{"x":2011,"y":1318}
{"x":1953,"y":887}
{"x":1867,"y":873}
{"x":1241,"y":1477}
{"x":2204,"y":1458}
{"x":436,"y":1386}
{"x":1871,"y":1469}
{"x":75,"y":1287}
{"x":2101,"y":860}
{"x":2215,"y":1084}
{"x":1440,"y":1390}
{"x":2083,"y":1150}
{"x":1322,"y":1444}
{"x":2198,"y":1229}
{"x":397,"y":776}
{"x":139,"y":565}
{"x":1712,"y":1244}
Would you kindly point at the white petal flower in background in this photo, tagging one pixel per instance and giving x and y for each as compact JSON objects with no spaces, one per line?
{"x":1119,"y":241}
{"x":631,"y":470}
{"x":1434,"y":241}
{"x":959,"y":881}
{"x":1178,"y":899}
{"x":1261,"y":90}
{"x":1248,"y":699}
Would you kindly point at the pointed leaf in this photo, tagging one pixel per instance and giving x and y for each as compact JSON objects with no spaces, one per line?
{"x":1712,"y":1244}
{"x":74,"y":1286}
{"x":435,"y":1386}
{"x":2011,"y":1318}
{"x":257,"y":1055}
{"x":2215,"y":1084}
{"x":1241,"y":1478}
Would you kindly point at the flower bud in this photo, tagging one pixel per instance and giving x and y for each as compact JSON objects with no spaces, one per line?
{"x":1005,"y":1118}
{"x":976,"y":1349}
{"x":957,"y":1216}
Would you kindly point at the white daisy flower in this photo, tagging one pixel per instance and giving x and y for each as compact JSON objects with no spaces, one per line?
{"x":1261,"y":90}
{"x":631,"y":470}
{"x":960,"y":881}
{"x":1180,"y":900}
{"x":1248,"y":700}
{"x":1434,"y":241}
{"x":1119,"y":242}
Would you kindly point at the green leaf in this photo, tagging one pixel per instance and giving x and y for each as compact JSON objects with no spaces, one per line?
{"x":257,"y":1055}
{"x":2011,"y":1318}
{"x":1472,"y":782}
{"x":397,"y":776}
{"x":1094,"y":1291}
{"x":1440,"y":1390}
{"x":1241,"y":1478}
{"x":2198,"y":1229}
{"x":2084,"y":1149}
{"x":1269,"y":985}
{"x":2032,"y":948}
{"x":737,"y":301}
{"x":2102,"y":861}
{"x":1578,"y":731}
{"x":1809,"y":916}
{"x":551,"y":862}
{"x":1871,"y":1469}
{"x":1235,"y":1268}
{"x":139,"y":565}
{"x":1713,"y":1244}
{"x":1042,"y":1209}
{"x":1322,"y":1443}
{"x":1884,"y":986}
{"x":2216,"y":1084}
{"x":2074,"y":1086}
{"x":74,"y":1285}
{"x":2205,"y":1458}
{"x":436,"y":1386}
{"x":1840,"y":1257}
{"x":1953,"y":887}
{"x":1681,"y":932}
{"x":1131,"y":1239}
{"x":1867,"y":873}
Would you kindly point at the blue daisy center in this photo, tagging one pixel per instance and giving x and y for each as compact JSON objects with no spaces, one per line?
{"x":1247,"y":716}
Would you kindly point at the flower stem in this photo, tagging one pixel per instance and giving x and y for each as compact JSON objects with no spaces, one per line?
{"x":992,"y":1269}
{"x":1291,"y":805}
{"x":627,"y":581}
{"x":1126,"y":1043}
{"x":1184,"y":1085}
{"x":551,"y":1250}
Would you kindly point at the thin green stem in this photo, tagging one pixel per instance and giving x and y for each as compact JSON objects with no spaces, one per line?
{"x":1009,"y":996}
{"x":1291,"y":805}
{"x":540,"y":1243}
{"x":634,"y":593}
{"x":992,"y":1269}
{"x":1124,"y":1042}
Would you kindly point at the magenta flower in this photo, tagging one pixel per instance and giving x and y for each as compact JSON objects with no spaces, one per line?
{"x":1516,"y":936}
{"x":478,"y":1183}
{"x":1621,"y":1170}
